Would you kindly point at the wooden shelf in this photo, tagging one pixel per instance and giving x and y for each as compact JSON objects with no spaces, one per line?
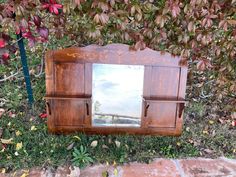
{"x":68,"y":98}
{"x":164,"y":101}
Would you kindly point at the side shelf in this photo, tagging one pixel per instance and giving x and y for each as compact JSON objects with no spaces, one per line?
{"x":162,"y":113}
{"x":69,"y":111}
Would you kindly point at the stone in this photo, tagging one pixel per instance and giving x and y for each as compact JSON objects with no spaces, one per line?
{"x":208,"y":167}
{"x":74,"y":172}
{"x":158,"y":168}
{"x":62,"y":171}
{"x":47,"y":173}
{"x":36,"y":172}
{"x":94,"y":171}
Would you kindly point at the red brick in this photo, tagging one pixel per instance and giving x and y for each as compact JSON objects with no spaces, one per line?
{"x":158,"y":168}
{"x":62,"y":171}
{"x":74,"y":172}
{"x":208,"y":167}
{"x":3,"y":175}
{"x":35,"y":172}
{"x":94,"y":171}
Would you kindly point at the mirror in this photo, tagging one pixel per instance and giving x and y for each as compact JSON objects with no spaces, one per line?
{"x":117,"y":95}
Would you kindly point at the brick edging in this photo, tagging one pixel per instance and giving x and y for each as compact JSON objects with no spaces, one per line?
{"x":189,"y":167}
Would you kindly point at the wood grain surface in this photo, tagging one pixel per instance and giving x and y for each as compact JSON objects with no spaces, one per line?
{"x":69,"y":89}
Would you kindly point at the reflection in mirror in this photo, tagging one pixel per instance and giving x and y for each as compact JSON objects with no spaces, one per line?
{"x":117,"y":95}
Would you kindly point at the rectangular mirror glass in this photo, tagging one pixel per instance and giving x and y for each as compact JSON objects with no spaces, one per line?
{"x":117,"y":95}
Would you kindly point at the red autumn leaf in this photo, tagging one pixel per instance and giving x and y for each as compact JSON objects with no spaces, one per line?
{"x":126,"y":1}
{"x":233,"y":123}
{"x":27,"y":35}
{"x":37,"y":20}
{"x":140,"y":45}
{"x":52,"y":6}
{"x":43,"y":115}
{"x":175,"y":11}
{"x":4,"y":146}
{"x":32,"y":42}
{"x":78,"y":2}
{"x":6,"y":37}
{"x":104,"y":18}
{"x":174,"y":8}
{"x":203,"y":64}
{"x":2,"y":43}
{"x":30,"y":37}
{"x":43,"y":32}
{"x":5,"y":56}
{"x":24,"y":25}
{"x":12,"y":114}
{"x":17,"y":27}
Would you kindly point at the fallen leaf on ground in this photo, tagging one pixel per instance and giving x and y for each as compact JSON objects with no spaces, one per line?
{"x":190,"y":141}
{"x":43,"y":115}
{"x":233,"y":115}
{"x":208,"y":151}
{"x":221,"y":121}
{"x":117,"y":143}
{"x":32,"y":118}
{"x":4,"y":146}
{"x":24,"y":175}
{"x":19,"y":146}
{"x":105,"y":174}
{"x":94,"y":143}
{"x":12,"y":115}
{"x":3,"y":170}
{"x":114,"y":163}
{"x":1,"y":112}
{"x":77,"y":137}
{"x":233,"y":123}
{"x":1,"y":130}
{"x":18,"y":133}
{"x":33,"y":128}
{"x":105,"y":146}
{"x":70,"y":146}
{"x":16,"y":153}
{"x":109,"y":141}
{"x":7,"y":141}
{"x":115,"y":172}
{"x":178,"y":143}
{"x":211,"y":122}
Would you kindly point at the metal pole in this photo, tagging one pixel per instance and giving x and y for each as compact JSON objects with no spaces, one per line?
{"x":25,"y":69}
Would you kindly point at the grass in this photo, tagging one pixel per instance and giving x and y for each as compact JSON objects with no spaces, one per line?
{"x":43,"y":149}
{"x":203,"y":134}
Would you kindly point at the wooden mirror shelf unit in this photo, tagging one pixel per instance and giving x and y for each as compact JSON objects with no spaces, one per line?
{"x":111,"y":89}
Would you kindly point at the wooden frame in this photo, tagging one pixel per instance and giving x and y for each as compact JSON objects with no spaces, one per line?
{"x":69,"y":89}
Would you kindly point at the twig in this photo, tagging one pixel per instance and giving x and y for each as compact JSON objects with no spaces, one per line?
{"x":42,"y":61}
{"x":202,"y":95}
{"x":2,"y":101}
{"x":9,"y":77}
{"x":16,"y":41}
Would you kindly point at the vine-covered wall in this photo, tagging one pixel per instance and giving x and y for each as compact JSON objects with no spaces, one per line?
{"x":199,"y":30}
